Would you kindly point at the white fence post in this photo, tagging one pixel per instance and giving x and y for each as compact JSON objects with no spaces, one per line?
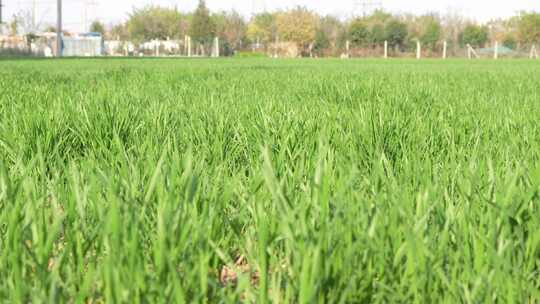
{"x":471,"y":52}
{"x":215,"y":48}
{"x":474,"y":53}
{"x":496,"y":53}
{"x":188,"y":46}
{"x":418,"y":50}
{"x":385,"y":49}
{"x":276,"y":48}
{"x":534,"y":53}
{"x":445,"y":46}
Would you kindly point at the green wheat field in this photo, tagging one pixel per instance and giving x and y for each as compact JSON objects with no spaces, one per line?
{"x":258,"y":180}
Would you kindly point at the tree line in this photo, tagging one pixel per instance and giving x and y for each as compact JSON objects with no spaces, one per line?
{"x":322,"y":35}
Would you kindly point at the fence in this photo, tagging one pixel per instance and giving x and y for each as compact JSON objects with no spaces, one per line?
{"x":92,"y":44}
{"x":45,"y":45}
{"x":442,"y":50}
{"x":158,"y":48}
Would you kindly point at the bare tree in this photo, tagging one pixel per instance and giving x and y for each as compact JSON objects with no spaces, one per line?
{"x":25,"y":22}
{"x":453,"y":24}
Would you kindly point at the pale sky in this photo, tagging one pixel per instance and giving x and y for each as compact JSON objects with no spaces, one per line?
{"x":110,"y":11}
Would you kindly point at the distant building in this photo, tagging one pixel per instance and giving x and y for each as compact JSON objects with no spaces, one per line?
{"x":44,"y":44}
{"x":13,"y":42}
{"x":163,"y":47}
{"x":83,"y":45}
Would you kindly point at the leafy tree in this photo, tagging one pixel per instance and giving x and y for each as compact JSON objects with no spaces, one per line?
{"x":120,"y":32}
{"x":359,"y":32}
{"x":298,"y":25}
{"x":376,"y":24}
{"x":377,"y":34}
{"x":396,"y":32}
{"x":332,"y":28}
{"x":509,"y":41}
{"x":97,"y":27}
{"x":305,"y":28}
{"x":322,"y":42}
{"x":231,"y":29}
{"x":202,"y":28}
{"x":431,"y":34}
{"x":154,"y":22}
{"x":378,"y":17}
{"x":475,"y":35}
{"x":529,"y":28}
{"x":262,"y":28}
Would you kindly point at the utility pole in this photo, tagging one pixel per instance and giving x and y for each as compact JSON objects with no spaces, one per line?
{"x":1,"y":20}
{"x":59,"y":28}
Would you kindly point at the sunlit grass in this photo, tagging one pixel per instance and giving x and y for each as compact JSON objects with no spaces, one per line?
{"x":311,"y":180}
